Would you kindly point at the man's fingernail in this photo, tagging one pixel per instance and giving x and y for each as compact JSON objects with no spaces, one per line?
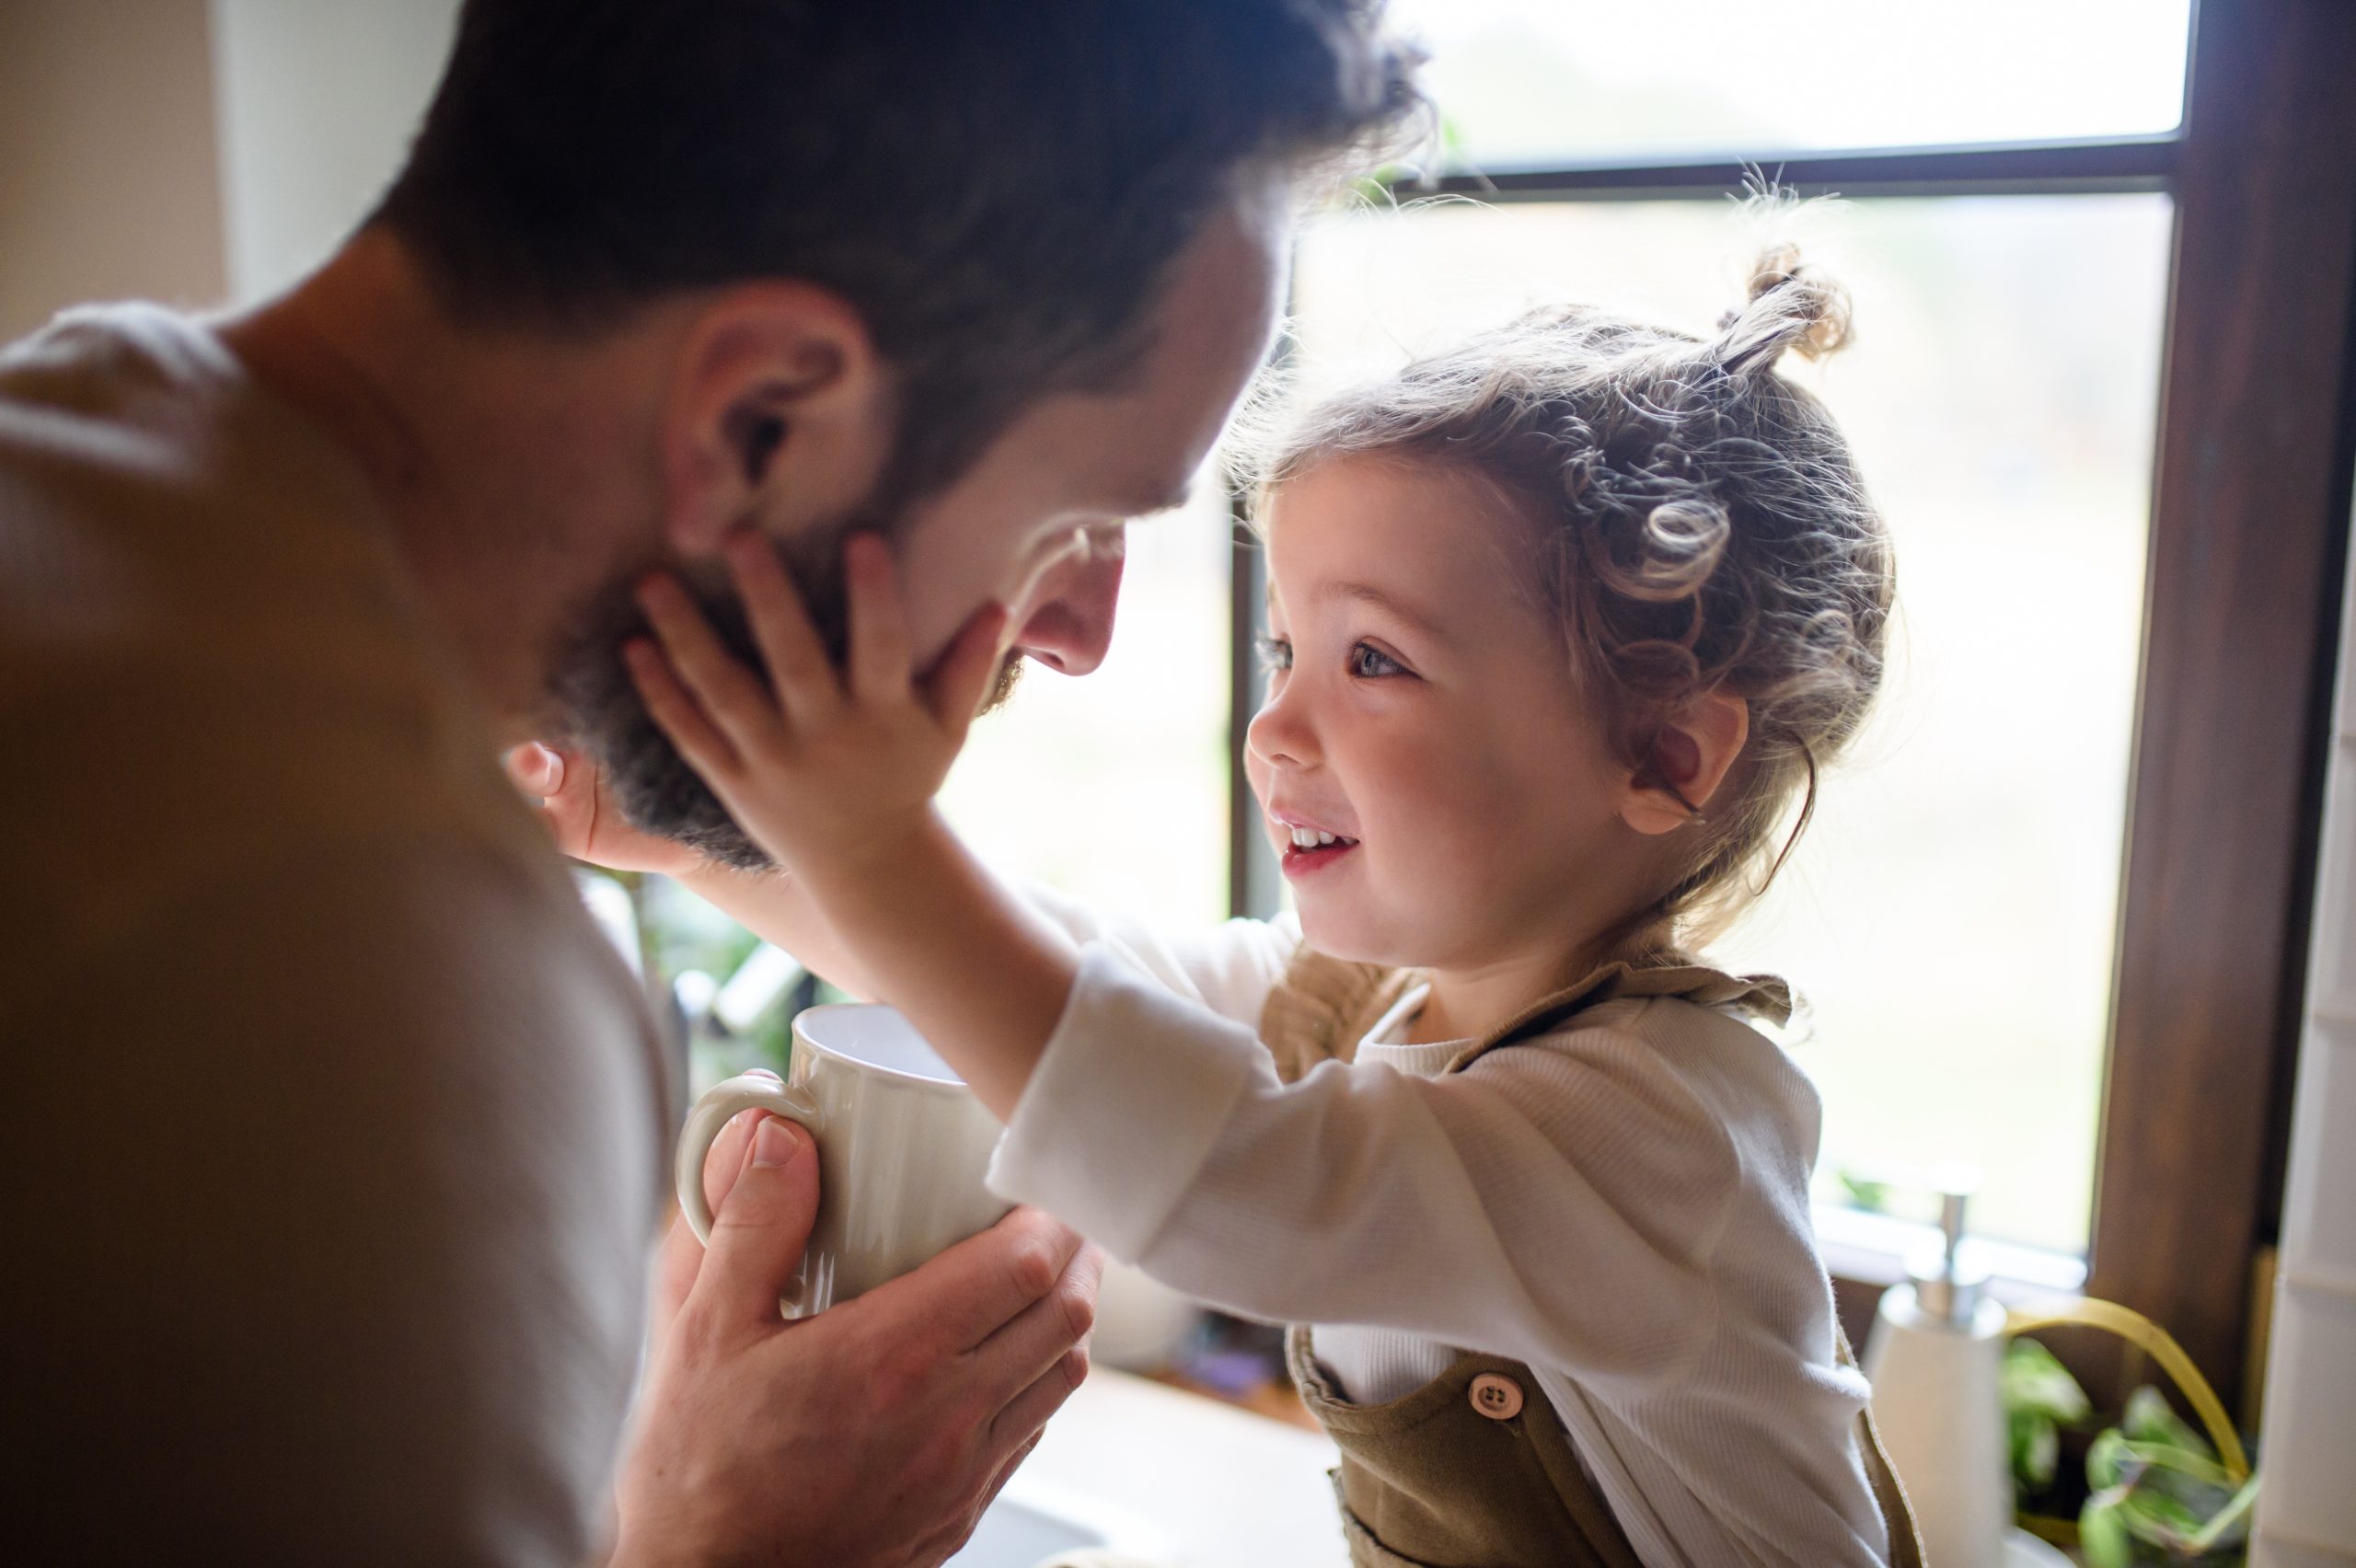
{"x":535,"y":767}
{"x":772,"y":1145}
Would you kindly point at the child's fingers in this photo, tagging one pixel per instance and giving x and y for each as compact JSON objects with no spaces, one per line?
{"x":804,"y":678}
{"x":730,"y":695}
{"x":674,"y":711}
{"x":957,"y":684}
{"x":880,"y":655}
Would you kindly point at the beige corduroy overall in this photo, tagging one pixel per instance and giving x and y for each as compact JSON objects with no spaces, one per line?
{"x":1474,"y":1470}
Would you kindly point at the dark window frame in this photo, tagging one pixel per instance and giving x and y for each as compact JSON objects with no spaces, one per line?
{"x":2249,"y":532}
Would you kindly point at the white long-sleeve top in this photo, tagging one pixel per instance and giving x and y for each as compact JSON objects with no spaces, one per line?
{"x":1620,"y":1204}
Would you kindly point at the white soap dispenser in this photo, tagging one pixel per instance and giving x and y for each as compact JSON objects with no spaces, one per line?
{"x":1936,"y":1348}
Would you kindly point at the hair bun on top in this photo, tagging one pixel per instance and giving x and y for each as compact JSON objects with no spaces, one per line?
{"x":1790,"y":306}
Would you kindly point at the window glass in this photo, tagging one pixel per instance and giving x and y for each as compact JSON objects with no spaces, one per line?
{"x":1535,"y":84}
{"x":1113,"y":787}
{"x":1951,"y":914}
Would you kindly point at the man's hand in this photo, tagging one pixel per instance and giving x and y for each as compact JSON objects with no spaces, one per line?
{"x":874,"y":1433}
{"x":583,"y":818}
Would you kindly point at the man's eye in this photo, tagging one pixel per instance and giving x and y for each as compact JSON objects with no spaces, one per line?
{"x":1370,"y":662}
{"x":1276,"y":654}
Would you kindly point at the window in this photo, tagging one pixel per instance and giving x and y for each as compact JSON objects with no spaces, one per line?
{"x":1545,"y":86}
{"x":2088,"y":243}
{"x":1952,"y":914}
{"x":2053,"y":916}
{"x":2001,"y":395}
{"x":1113,"y":787}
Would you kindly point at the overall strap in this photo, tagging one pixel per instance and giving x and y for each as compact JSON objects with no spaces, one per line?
{"x":1699,"y":984}
{"x":1324,"y":1006}
{"x":1771,"y":999}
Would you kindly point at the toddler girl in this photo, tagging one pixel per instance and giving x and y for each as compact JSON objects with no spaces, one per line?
{"x":1562,"y":625}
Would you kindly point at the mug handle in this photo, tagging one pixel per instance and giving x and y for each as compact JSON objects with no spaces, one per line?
{"x":722,"y":1104}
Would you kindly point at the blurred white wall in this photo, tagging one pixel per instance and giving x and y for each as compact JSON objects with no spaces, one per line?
{"x":317,"y":102}
{"x":110,"y":181}
{"x":2306,"y":1509}
{"x":197,"y":152}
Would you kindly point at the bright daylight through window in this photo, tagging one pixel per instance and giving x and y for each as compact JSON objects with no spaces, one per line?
{"x":1951,"y":915}
{"x":1556,"y":84}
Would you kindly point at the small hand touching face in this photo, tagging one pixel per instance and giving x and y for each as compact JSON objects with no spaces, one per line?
{"x":1033,"y":523}
{"x":821,"y":768}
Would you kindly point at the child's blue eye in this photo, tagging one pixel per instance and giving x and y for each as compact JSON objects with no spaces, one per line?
{"x":1370,"y":661}
{"x":1276,"y":654}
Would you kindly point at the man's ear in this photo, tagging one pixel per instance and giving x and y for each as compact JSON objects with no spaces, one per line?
{"x":778,"y":414}
{"x":1690,"y":760}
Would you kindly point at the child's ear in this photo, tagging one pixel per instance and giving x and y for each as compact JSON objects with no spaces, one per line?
{"x":1690,"y":760}
{"x":777,"y":415}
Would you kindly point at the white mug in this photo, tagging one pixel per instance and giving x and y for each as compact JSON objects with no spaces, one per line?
{"x":903,"y":1146}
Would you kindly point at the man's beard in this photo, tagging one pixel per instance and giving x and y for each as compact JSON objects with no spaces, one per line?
{"x":657,"y":790}
{"x":1002,"y":684}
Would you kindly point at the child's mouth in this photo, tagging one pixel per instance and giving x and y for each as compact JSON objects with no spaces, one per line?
{"x":1310,"y":849}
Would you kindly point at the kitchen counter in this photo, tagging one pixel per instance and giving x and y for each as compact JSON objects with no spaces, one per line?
{"x":1224,"y":1488}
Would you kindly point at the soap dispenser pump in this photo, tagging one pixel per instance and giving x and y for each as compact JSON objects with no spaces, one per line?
{"x":1934,"y":1357}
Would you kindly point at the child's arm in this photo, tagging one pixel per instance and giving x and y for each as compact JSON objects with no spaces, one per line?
{"x":1581,"y":1204}
{"x":1229,"y":968}
{"x":1360,"y":1195}
{"x":834,"y":775}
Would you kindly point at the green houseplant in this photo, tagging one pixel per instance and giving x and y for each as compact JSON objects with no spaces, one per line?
{"x":2159,"y":1493}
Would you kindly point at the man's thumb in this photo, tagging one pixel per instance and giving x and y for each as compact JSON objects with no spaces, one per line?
{"x":763,"y":1224}
{"x":536,"y":769}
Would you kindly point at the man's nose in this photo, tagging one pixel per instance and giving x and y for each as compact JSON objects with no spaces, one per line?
{"x":1070,"y":630}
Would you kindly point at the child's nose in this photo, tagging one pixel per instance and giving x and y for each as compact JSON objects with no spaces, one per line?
{"x":1280,"y":732}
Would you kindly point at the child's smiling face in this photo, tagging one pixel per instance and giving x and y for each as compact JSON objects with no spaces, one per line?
{"x":1422,"y":712}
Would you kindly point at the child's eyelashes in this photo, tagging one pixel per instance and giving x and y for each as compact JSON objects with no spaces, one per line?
{"x":1365,"y":660}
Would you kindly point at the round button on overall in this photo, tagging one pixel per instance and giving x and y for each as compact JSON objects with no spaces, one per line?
{"x":1497,"y":1397}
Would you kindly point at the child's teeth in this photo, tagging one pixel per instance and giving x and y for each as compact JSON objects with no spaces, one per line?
{"x":1324,"y":838}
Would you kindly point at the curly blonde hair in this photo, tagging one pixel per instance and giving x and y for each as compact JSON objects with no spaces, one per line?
{"x":1699,"y":527}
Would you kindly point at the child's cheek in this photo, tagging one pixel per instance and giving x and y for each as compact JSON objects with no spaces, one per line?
{"x":1457,"y":825}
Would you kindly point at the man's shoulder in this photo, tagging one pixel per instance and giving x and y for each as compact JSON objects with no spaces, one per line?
{"x":151,"y":492}
{"x":208,"y":645}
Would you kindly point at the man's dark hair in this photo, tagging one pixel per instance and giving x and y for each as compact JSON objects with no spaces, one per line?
{"x":1000,"y":187}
